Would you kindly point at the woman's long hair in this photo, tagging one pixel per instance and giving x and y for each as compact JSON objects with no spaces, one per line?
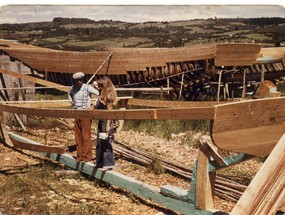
{"x":108,"y":94}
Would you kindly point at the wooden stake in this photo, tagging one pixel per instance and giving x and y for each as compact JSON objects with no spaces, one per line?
{"x":181,"y":86}
{"x":219,"y":86}
{"x":90,"y":79}
{"x":243,"y":85}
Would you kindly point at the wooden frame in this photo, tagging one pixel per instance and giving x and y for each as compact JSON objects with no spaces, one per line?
{"x":225,"y":118}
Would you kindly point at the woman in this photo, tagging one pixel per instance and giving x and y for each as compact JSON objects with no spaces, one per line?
{"x":107,"y":100}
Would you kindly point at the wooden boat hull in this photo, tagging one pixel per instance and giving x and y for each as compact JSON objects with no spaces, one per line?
{"x":186,"y":70}
{"x":252,"y":127}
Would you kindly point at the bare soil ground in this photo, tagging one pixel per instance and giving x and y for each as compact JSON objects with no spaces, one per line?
{"x":30,"y":185}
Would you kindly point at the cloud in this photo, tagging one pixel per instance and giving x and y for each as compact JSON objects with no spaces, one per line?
{"x":135,"y":13}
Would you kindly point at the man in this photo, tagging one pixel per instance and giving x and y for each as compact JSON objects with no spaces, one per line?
{"x":80,"y":98}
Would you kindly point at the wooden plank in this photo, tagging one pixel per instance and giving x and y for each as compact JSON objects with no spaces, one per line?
{"x":267,"y":187}
{"x":122,"y":61}
{"x":37,"y":147}
{"x":277,"y":194}
{"x":35,"y":80}
{"x":277,"y":52}
{"x":206,"y":143}
{"x":43,"y":104}
{"x":232,"y":62}
{"x":56,"y":103}
{"x":147,"y":89}
{"x":170,"y":104}
{"x":238,"y":47}
{"x":251,"y":127}
{"x":123,"y":182}
{"x":257,"y":141}
{"x":174,"y":192}
{"x":236,"y":54}
{"x":205,"y":182}
{"x":249,"y":114}
{"x":134,"y":114}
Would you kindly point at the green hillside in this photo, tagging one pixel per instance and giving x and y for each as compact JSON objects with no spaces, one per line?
{"x":82,"y":34}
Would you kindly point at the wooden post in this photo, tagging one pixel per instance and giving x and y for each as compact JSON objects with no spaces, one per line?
{"x":227,"y":93}
{"x":205,"y":182}
{"x":4,"y":86}
{"x":266,"y":191}
{"x":233,"y":91}
{"x":46,"y":74}
{"x":219,"y":86}
{"x":90,"y":79}
{"x":21,"y":82}
{"x":168,"y":85}
{"x":181,"y":86}
{"x":15,"y":114}
{"x":3,"y":132}
{"x":262,"y":76}
{"x":243,"y":85}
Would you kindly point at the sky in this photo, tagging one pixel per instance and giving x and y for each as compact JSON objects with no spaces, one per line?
{"x":15,"y":12}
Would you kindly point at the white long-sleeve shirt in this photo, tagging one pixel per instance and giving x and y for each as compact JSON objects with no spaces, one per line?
{"x":80,"y":97}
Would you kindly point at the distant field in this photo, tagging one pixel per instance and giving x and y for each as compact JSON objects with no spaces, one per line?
{"x":258,"y":37}
{"x":235,"y":32}
{"x":72,"y":26}
{"x":55,"y":39}
{"x":83,"y":34}
{"x":112,"y":42}
{"x":190,"y":22}
{"x":147,"y":25}
{"x":197,"y":29}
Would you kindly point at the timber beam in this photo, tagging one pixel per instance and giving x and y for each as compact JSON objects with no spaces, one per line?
{"x":205,"y":113}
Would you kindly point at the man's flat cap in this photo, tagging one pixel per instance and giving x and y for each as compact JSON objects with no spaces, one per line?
{"x":78,"y":75}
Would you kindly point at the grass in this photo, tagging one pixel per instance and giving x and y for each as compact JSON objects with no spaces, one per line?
{"x":58,"y":96}
{"x":156,"y":167}
{"x":40,"y":122}
{"x":258,"y":37}
{"x":47,"y":122}
{"x":160,"y":128}
{"x":112,"y":42}
{"x":37,"y":191}
{"x":165,"y":128}
{"x":55,"y":39}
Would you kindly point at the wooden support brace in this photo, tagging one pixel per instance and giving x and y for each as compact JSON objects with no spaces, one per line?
{"x":205,"y":181}
{"x":37,"y":147}
{"x":25,"y":145}
{"x":174,"y":192}
{"x":266,"y":191}
{"x":207,"y":144}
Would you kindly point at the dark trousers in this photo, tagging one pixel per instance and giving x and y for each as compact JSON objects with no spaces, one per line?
{"x":82,"y":131}
{"x":104,"y":148}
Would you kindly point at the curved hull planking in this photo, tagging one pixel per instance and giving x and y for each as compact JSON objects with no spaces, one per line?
{"x":251,"y":127}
